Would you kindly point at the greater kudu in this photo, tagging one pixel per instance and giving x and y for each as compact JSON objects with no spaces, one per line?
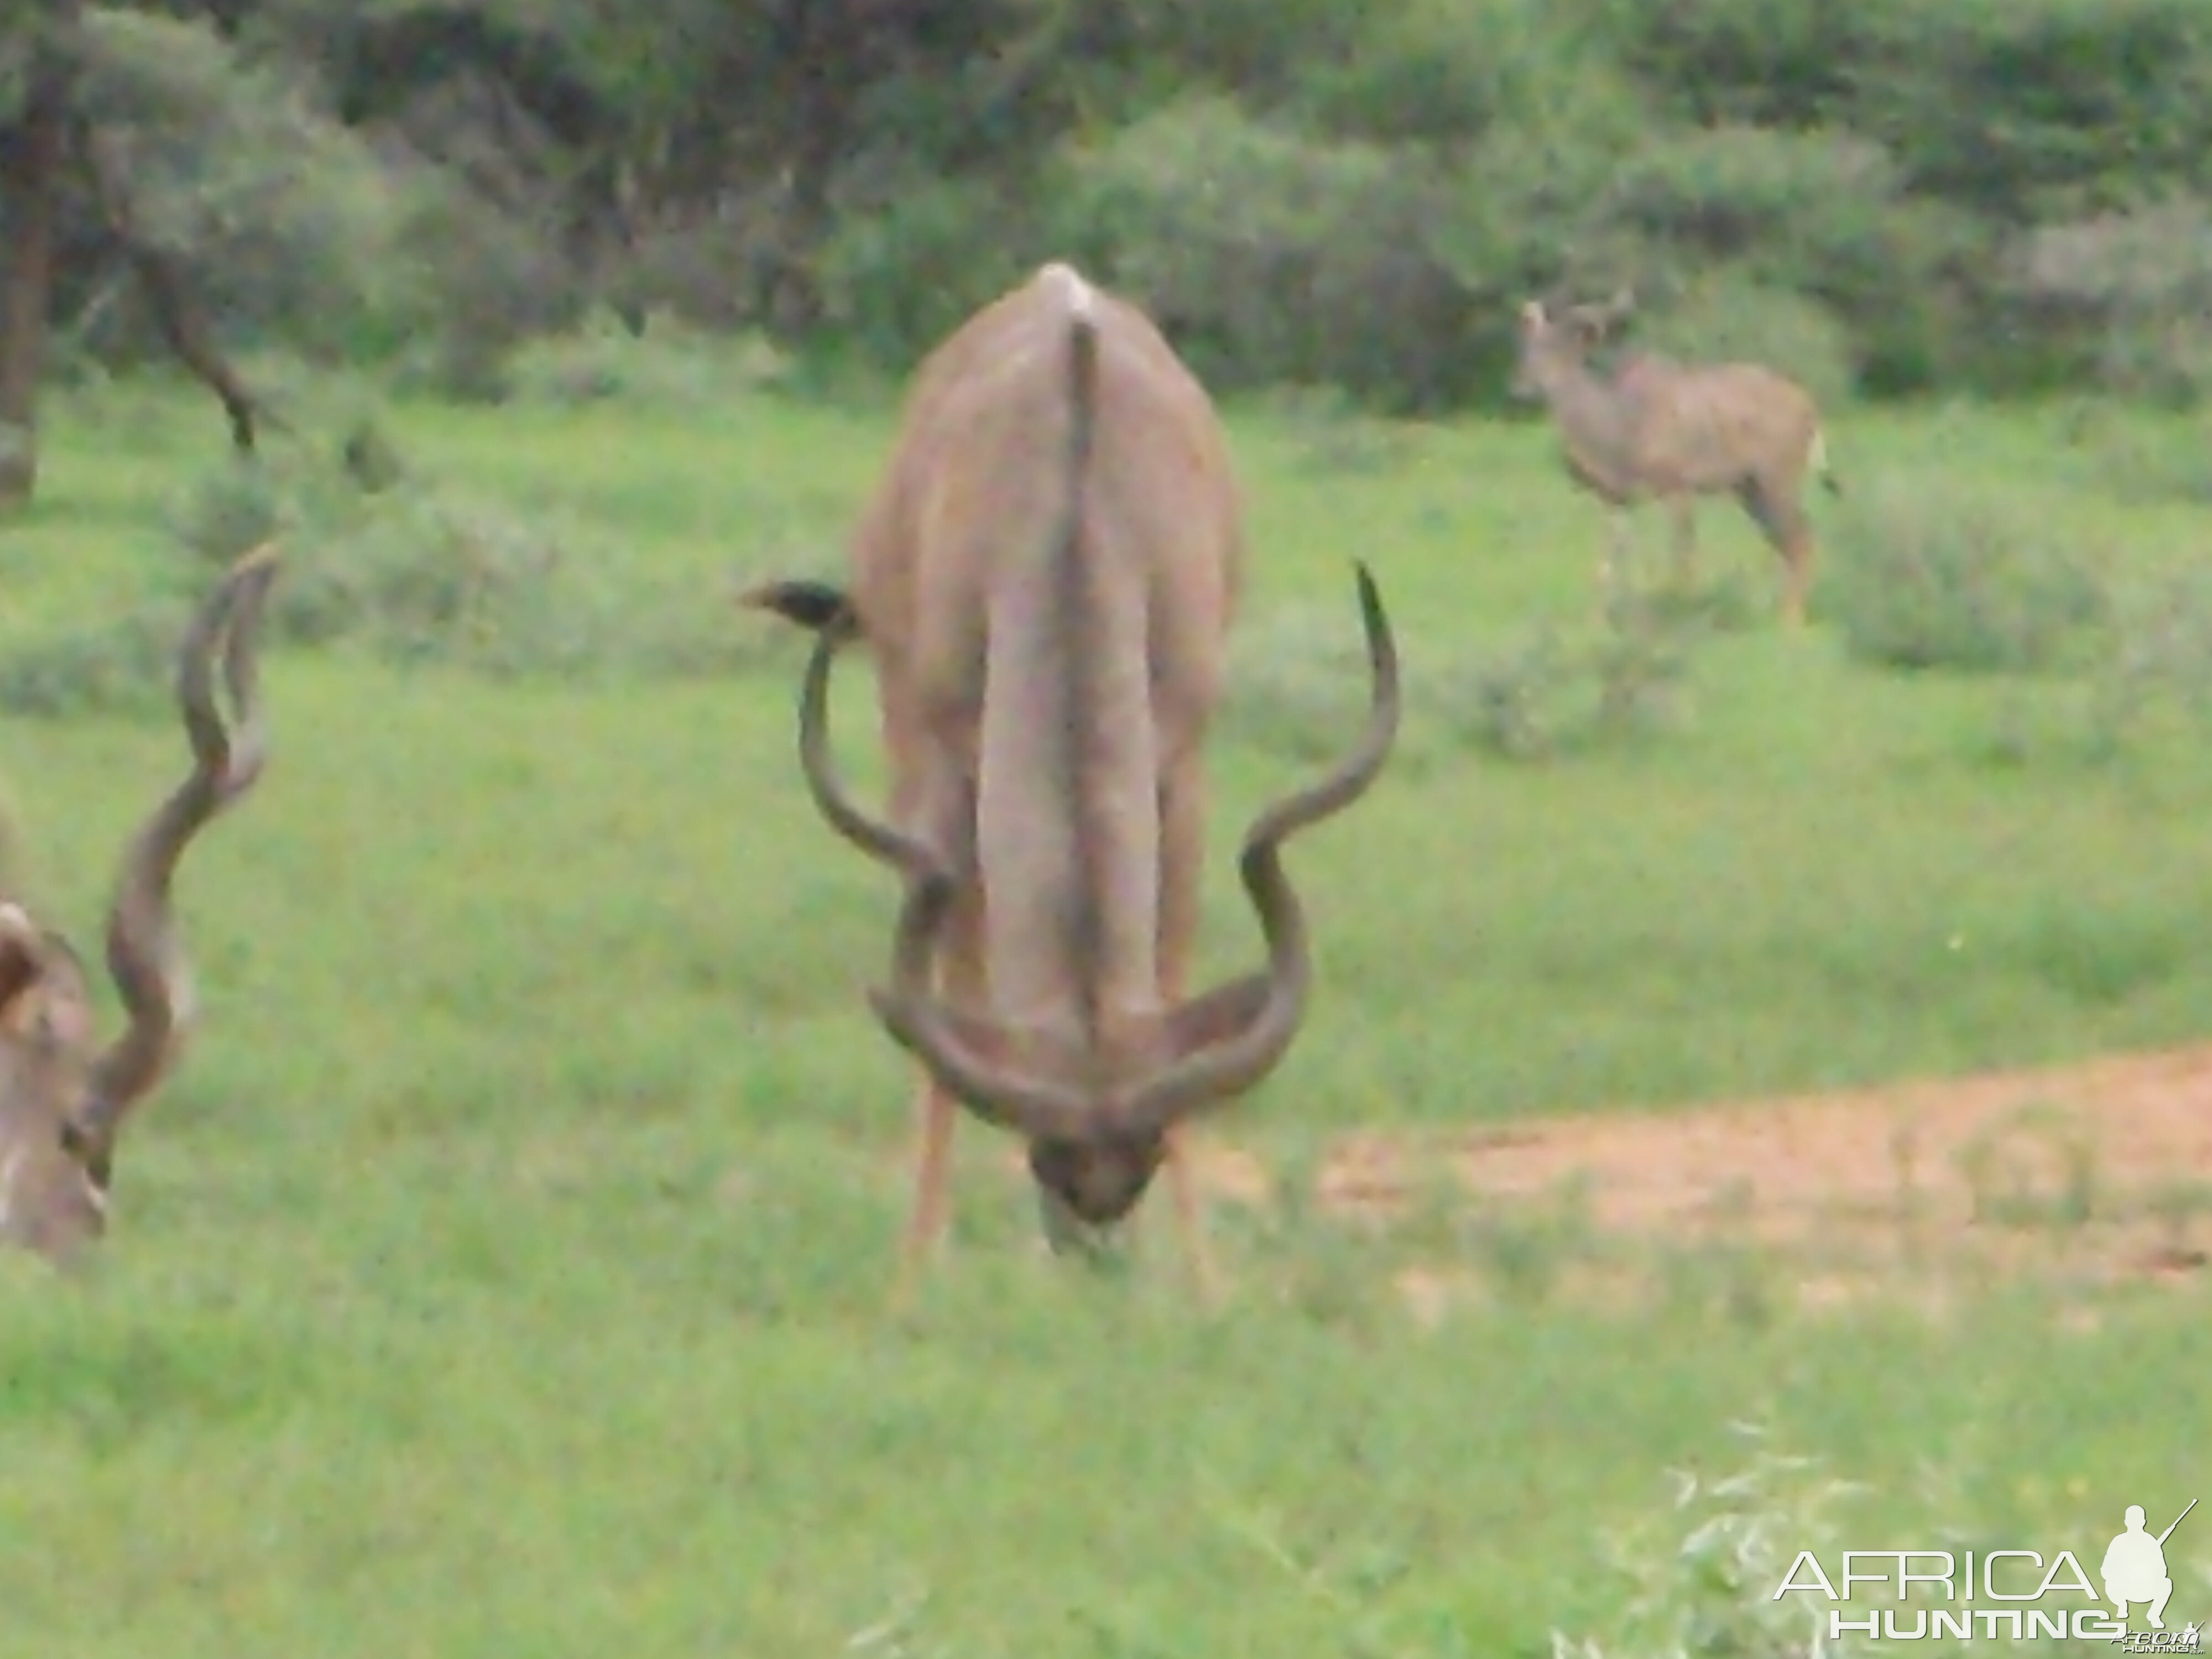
{"x":1661,"y":429}
{"x":1044,"y":579}
{"x":63,"y":1100}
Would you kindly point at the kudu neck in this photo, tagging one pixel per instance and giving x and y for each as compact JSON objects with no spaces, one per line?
{"x":1594,"y":417}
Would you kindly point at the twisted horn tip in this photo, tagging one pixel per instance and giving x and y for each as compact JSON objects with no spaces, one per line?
{"x":267,"y":555}
{"x":1370,"y":597}
{"x":816,"y":606}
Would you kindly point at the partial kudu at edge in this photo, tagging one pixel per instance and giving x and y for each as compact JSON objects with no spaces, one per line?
{"x":64,"y":1099}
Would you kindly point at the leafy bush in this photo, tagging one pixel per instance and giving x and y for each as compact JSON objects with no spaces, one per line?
{"x":1297,"y":681}
{"x":282,"y":216}
{"x":413,"y":572}
{"x":2128,"y":292}
{"x":436,"y":576}
{"x":2036,"y":109}
{"x":664,"y":363}
{"x":483,"y":279}
{"x":1925,"y":574}
{"x":1332,"y":432}
{"x":1771,"y":62}
{"x":1556,"y":688}
{"x":1434,"y":71}
{"x":1698,"y":1580}
{"x":900,"y":275}
{"x":1523,"y":208}
{"x":1519,"y":701}
{"x":1273,"y":257}
{"x":1734,"y":192}
{"x":2159,"y":660}
{"x":1724,"y":318}
{"x":121,"y":665}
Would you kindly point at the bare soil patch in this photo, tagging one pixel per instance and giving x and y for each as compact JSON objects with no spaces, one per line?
{"x":2099,"y":1170}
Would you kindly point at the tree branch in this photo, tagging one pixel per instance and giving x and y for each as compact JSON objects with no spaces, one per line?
{"x":177,"y":314}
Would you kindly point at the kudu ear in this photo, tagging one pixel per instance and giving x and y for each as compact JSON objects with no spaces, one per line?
{"x":42,"y":982}
{"x":1532,"y":313}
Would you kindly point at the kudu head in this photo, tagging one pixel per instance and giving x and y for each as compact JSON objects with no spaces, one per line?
{"x":1096,"y":1123}
{"x":1554,"y":342}
{"x":63,"y":1100}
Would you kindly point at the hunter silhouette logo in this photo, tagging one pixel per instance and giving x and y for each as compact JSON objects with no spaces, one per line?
{"x":2134,"y":1567}
{"x":1933,"y":1595}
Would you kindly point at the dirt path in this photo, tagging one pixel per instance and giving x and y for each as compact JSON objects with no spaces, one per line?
{"x":2106,"y":1165}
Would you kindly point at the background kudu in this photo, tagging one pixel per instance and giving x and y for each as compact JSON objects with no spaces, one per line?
{"x":1044,"y":579}
{"x":62,"y":1101}
{"x":1658,"y":428}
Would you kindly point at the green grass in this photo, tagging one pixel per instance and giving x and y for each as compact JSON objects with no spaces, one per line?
{"x":501,"y":1276}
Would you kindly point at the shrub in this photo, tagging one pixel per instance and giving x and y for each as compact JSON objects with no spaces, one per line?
{"x":1523,"y":204}
{"x":2125,"y":295}
{"x":1518,"y":701}
{"x":121,"y":665}
{"x":2036,"y":109}
{"x":483,"y":279}
{"x":2159,"y":660}
{"x":1333,"y":434}
{"x":711,"y":271}
{"x":433,"y":576}
{"x":1725,"y":318}
{"x":663,"y":363}
{"x":901,"y":272}
{"x":412,"y":571}
{"x":282,"y":216}
{"x":1777,"y":63}
{"x":1435,"y":71}
{"x":1298,"y":682}
{"x":1555,"y":689}
{"x":1269,"y":257}
{"x":1925,"y":574}
{"x":1733,"y":191}
{"x":1699,"y":1578}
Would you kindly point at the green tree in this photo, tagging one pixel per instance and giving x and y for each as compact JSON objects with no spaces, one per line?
{"x":60,"y":75}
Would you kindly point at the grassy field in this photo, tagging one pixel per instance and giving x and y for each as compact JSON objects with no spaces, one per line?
{"x":502,"y":1275}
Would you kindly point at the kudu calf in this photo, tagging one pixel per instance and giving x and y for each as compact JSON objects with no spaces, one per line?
{"x":1044,"y":579}
{"x":1670,"y":431}
{"x":62,"y":1100}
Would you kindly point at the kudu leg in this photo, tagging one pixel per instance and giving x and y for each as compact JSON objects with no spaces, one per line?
{"x":1790,"y":534}
{"x":1798,"y":555}
{"x":948,"y":819}
{"x":1182,"y":853}
{"x":1614,"y":561}
{"x":1684,"y":512}
{"x":961,"y":977}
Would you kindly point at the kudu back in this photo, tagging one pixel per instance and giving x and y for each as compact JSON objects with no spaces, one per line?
{"x":1044,"y":579}
{"x":1661,"y":429}
{"x":64,"y":1099}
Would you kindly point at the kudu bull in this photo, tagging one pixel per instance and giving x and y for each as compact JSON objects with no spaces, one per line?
{"x":63,"y":1101}
{"x":1044,"y":579}
{"x":1670,"y":431}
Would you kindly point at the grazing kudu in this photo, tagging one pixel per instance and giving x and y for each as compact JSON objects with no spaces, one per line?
{"x":63,"y":1100}
{"x":1670,"y":431}
{"x":1044,"y":579}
